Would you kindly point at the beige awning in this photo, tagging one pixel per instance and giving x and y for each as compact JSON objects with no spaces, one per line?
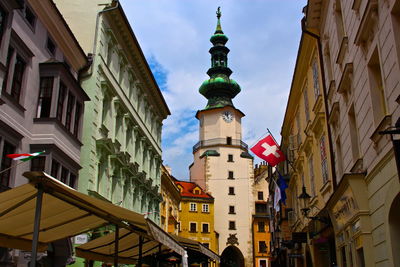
{"x":102,"y":249}
{"x":65,"y":213}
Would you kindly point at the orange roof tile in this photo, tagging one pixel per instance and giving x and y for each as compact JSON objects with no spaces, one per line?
{"x":188,"y":190}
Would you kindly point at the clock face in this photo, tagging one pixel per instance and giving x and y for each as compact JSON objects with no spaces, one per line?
{"x":227,"y":116}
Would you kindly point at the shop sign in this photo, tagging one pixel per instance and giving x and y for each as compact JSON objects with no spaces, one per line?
{"x":81,"y":239}
{"x":344,"y":209}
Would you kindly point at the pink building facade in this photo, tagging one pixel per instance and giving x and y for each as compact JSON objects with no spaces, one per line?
{"x":360,"y":44}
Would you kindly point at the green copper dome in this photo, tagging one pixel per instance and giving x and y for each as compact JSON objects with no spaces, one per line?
{"x":219,"y":89}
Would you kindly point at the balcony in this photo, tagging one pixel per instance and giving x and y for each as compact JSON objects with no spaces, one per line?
{"x":220,"y":142}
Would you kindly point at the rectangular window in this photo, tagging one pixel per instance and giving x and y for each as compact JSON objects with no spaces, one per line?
{"x":306,"y":104}
{"x":355,"y":145}
{"x":315,"y":79}
{"x":193,"y":207}
{"x":10,"y":54}
{"x":343,"y":254}
{"x":262,"y":246}
{"x":64,"y":175}
{"x":3,"y":21}
{"x":60,"y":102}
{"x":51,"y":47}
{"x":30,"y":16}
{"x":45,"y":93}
{"x":324,"y":159}
{"x":232,"y":225}
{"x":230,"y":158}
{"x":231,"y":209}
{"x":70,"y":107}
{"x":18,"y":75}
{"x":230,"y":175}
{"x":261,"y":208}
{"x":193,"y":227}
{"x":38,"y":164}
{"x":229,"y":140}
{"x":378,"y":99}
{"x":312,"y":179}
{"x":77,"y":118}
{"x":205,"y":228}
{"x":260,"y":195}
{"x":55,"y":167}
{"x":205,"y":208}
{"x":5,"y":176}
{"x":261,"y":226}
{"x":231,"y":190}
{"x":72,"y":180}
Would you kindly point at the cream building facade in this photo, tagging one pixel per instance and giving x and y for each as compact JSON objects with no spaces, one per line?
{"x":361,"y":51}
{"x":222,"y":165}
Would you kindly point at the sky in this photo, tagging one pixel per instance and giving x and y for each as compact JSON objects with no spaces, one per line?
{"x":174,"y":35}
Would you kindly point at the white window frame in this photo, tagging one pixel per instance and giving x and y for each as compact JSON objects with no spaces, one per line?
{"x":207,"y":210}
{"x":190,"y":206}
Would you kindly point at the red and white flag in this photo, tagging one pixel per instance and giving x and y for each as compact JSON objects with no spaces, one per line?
{"x":268,"y":150}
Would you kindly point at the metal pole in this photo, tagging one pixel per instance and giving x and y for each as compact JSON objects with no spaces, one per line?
{"x":36,"y":227}
{"x":140,"y":251}
{"x":116,"y":246}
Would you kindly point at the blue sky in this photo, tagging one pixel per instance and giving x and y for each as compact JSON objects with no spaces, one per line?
{"x":174,"y":36}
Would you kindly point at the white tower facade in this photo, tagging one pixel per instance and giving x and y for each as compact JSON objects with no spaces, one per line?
{"x":222,"y":165}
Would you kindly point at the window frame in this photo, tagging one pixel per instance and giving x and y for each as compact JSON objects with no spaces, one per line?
{"x":190,"y":227}
{"x":202,"y":228}
{"x":231,"y":190}
{"x":231,"y":209}
{"x":207,"y":210}
{"x":232,"y":225}
{"x":194,"y":205}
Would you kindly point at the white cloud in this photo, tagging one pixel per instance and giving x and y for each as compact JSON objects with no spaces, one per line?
{"x":263,"y":39}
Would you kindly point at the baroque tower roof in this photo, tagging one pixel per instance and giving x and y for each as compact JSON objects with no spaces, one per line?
{"x":219,"y":89}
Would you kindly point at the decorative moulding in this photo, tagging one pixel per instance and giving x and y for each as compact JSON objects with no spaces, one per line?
{"x":342,"y":50}
{"x":346,"y":79}
{"x":384,"y":123}
{"x":367,"y":30}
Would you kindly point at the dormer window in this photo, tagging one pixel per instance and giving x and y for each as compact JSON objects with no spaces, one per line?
{"x":196,"y":191}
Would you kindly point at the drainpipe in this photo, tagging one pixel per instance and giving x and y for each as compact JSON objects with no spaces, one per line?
{"x":321,"y":62}
{"x":88,"y":69}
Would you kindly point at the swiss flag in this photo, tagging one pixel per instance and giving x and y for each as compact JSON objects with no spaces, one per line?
{"x":268,"y":150}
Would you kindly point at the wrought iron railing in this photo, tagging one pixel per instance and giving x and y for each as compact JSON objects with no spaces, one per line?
{"x":220,"y":141}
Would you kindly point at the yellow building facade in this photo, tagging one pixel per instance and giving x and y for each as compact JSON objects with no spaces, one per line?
{"x":169,"y":207}
{"x":196,"y":215}
{"x":306,"y":141}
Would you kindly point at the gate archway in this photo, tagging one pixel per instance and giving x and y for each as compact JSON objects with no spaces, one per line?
{"x":232,"y":257}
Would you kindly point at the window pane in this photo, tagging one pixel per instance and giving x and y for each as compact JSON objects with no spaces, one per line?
{"x":46,"y":90}
{"x":64,"y":175}
{"x":60,"y":101}
{"x":30,"y":17}
{"x":231,"y":209}
{"x":3,"y":21}
{"x":70,"y":107}
{"x":193,"y":227}
{"x":77,"y":118}
{"x":19,"y":69}
{"x":72,"y":180}
{"x":55,"y":166}
{"x":51,"y":46}
{"x":6,"y":163}
{"x":205,"y":228}
{"x":38,"y":164}
{"x":261,"y":208}
{"x":232,"y":225}
{"x":261,"y":226}
{"x":260,"y":195}
{"x":9,"y":56}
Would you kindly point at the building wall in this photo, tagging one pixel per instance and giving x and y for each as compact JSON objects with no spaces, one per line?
{"x":212,"y":172}
{"x":21,"y":123}
{"x":199,"y":217}
{"x":169,"y":207}
{"x":364,"y":84}
{"x":122,"y":137}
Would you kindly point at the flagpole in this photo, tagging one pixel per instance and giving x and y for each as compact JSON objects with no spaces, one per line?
{"x":290,"y":163}
{"x":15,"y":165}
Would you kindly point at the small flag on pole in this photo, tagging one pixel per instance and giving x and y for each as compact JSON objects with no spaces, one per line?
{"x":24,"y":157}
{"x":268,"y":150}
{"x":277,"y":197}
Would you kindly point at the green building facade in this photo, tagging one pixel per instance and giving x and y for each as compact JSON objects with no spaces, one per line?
{"x":121,"y":153}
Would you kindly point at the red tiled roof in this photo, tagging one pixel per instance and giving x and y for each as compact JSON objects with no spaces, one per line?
{"x":188,"y":187}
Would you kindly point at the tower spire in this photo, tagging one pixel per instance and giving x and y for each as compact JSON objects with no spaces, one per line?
{"x":219,"y":89}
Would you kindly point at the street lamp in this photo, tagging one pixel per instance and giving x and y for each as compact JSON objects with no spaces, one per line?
{"x":395,"y":137}
{"x":305,"y":203}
